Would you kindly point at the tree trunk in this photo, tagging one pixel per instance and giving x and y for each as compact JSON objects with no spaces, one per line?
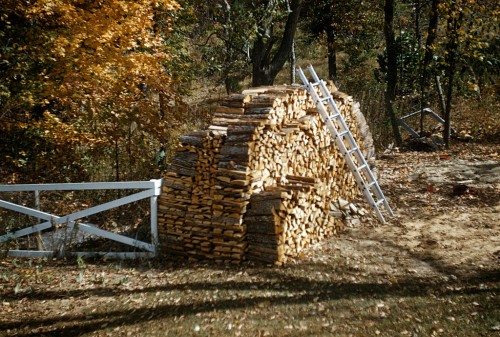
{"x":265,"y":69}
{"x":454,"y":25}
{"x":332,"y":53}
{"x":293,"y":62}
{"x":117,"y":161}
{"x":392,"y":69}
{"x":428,"y":54}
{"x":418,"y":36}
{"x":293,"y":59}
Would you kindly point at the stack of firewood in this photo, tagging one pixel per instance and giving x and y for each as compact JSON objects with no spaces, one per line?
{"x":259,"y":182}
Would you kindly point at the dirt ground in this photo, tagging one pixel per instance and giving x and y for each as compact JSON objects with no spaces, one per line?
{"x":431,"y":270}
{"x":447,"y":215}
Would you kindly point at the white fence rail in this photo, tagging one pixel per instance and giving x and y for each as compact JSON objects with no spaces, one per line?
{"x":151,"y":189}
{"x":422,"y":112}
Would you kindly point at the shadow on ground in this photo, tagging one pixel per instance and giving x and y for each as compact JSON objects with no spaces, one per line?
{"x":287,"y":290}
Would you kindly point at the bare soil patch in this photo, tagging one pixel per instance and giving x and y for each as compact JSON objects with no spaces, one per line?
{"x":432,"y":270}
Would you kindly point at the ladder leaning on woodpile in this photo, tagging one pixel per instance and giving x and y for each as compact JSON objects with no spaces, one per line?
{"x":345,"y":141}
{"x":262,"y":182}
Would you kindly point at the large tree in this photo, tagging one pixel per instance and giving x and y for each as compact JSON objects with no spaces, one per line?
{"x":267,"y":58}
{"x":241,"y":37}
{"x":78,"y":74}
{"x":392,"y":69}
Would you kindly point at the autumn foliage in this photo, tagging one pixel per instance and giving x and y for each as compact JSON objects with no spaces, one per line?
{"x":81,"y":81}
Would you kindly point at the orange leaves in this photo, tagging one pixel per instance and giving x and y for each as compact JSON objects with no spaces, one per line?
{"x":78,"y":74}
{"x":100,"y":50}
{"x":168,"y":5}
{"x":62,"y":133}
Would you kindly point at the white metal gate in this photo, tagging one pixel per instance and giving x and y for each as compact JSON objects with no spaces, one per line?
{"x":151,"y":189}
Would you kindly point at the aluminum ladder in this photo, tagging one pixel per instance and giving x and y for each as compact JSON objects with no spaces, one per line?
{"x":345,"y":141}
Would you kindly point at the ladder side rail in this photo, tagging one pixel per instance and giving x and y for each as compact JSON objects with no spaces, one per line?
{"x":353,"y":145}
{"x":333,"y":129}
{"x":375,"y":206}
{"x":331,"y":101}
{"x":337,"y":139}
{"x":388,"y":208}
{"x":361,"y":180}
{"x":372,"y":201}
{"x":316,"y":100}
{"x":302,"y":76}
{"x":313,"y":74}
{"x":324,"y":114}
{"x":329,"y":124}
{"x":380,"y":195}
{"x":365,"y":178}
{"x":376,"y":190}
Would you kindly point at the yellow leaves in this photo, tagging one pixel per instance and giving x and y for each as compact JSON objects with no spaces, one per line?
{"x":471,"y":86}
{"x":61,"y":133}
{"x":47,"y":115}
{"x":169,"y":5}
{"x":91,"y":57}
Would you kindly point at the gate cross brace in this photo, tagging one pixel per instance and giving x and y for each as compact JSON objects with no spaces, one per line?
{"x":70,"y":220}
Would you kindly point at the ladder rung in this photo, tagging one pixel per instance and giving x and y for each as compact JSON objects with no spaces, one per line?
{"x":359,"y":168}
{"x":368,"y":186}
{"x":333,"y":116}
{"x":340,"y":134}
{"x":378,"y":202}
{"x":352,"y":150}
{"x":324,"y":99}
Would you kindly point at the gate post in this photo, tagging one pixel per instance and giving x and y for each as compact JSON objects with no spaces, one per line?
{"x":154,"y":213}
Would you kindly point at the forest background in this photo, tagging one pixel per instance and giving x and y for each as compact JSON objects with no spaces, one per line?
{"x":100,"y":90}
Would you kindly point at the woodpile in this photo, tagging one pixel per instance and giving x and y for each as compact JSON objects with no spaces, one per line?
{"x":261,"y":181}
